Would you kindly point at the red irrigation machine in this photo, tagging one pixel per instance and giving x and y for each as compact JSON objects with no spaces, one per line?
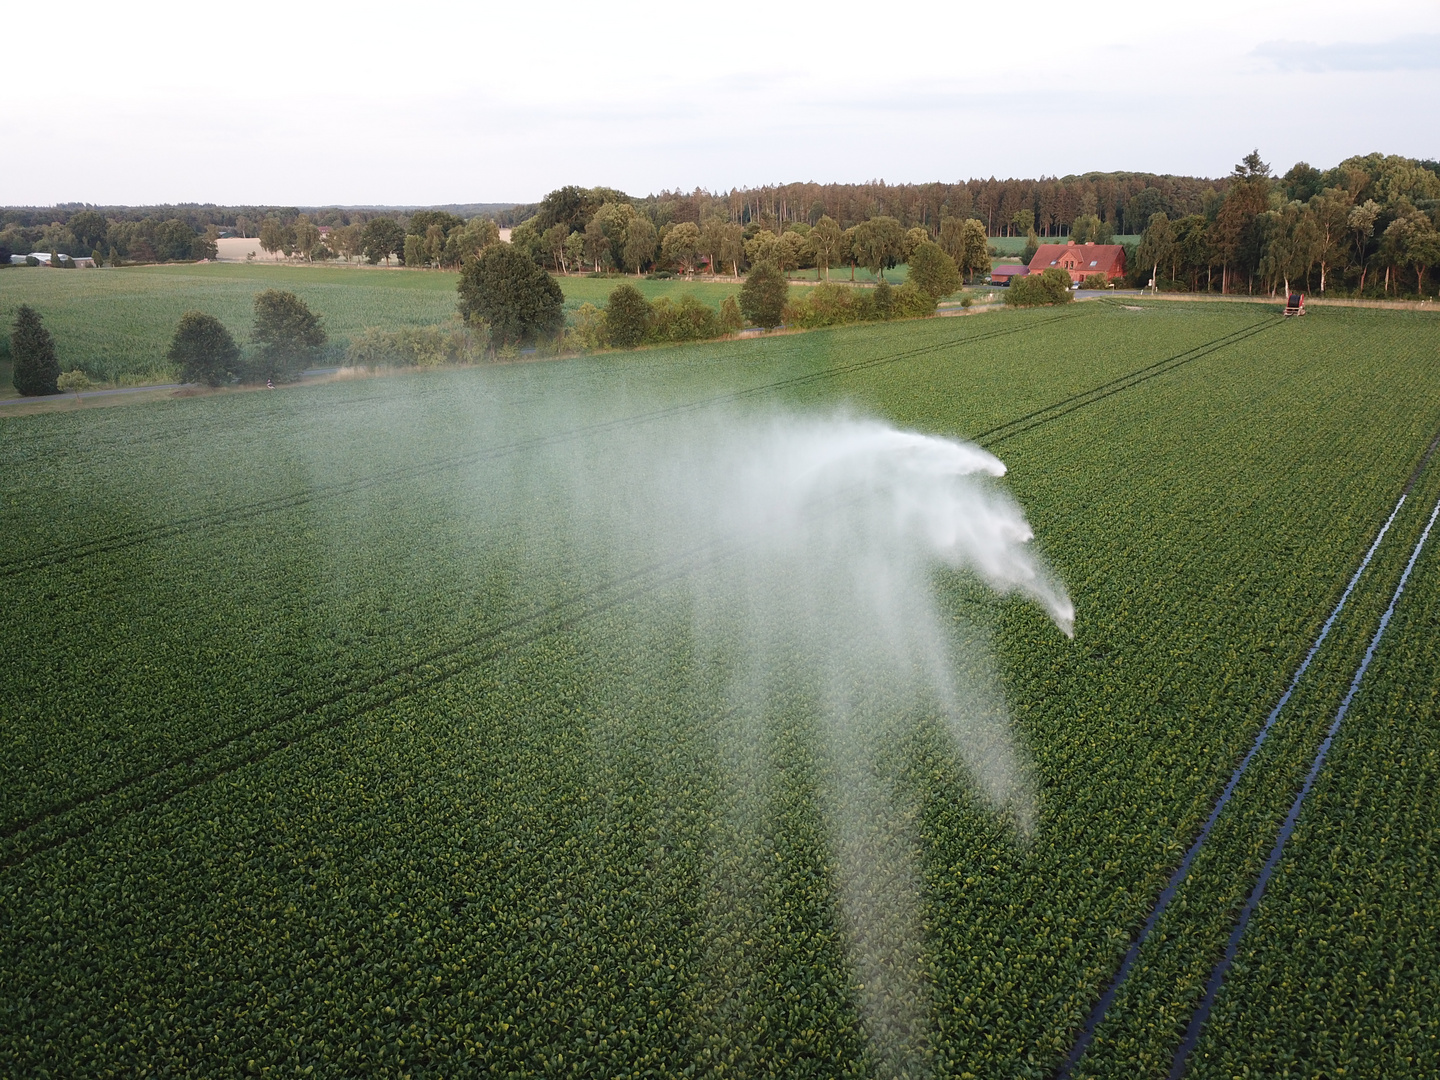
{"x":1294,"y":304}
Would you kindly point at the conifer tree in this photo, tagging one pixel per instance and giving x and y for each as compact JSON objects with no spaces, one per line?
{"x":32,"y":349}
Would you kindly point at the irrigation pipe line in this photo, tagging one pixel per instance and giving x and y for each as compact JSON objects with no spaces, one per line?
{"x":1217,"y":977}
{"x":1097,"y":1014}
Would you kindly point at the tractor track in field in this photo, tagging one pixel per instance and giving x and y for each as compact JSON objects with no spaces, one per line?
{"x":531,"y":627}
{"x":549,"y":619}
{"x":514,"y":633}
{"x":1019,"y":426}
{"x":239,"y":514}
{"x":1112,"y":990}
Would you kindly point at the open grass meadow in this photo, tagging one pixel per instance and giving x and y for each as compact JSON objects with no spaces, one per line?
{"x":364,"y":727}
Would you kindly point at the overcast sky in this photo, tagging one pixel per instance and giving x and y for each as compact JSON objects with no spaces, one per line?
{"x":295,"y":103}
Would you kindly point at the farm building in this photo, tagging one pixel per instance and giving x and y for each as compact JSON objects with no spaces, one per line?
{"x":1003,"y":272}
{"x":43,"y":258}
{"x":1081,"y":260}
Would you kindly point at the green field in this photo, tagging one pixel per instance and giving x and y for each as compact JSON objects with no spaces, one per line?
{"x":117,"y":323}
{"x":366,"y":728}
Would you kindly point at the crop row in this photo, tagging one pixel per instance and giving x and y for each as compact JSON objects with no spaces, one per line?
{"x":1148,"y":1020}
{"x":1337,"y":973}
{"x":580,"y":854}
{"x":387,"y":585}
{"x":53,"y":555}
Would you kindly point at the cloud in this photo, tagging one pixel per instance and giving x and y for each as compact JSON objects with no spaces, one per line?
{"x":1415,"y":52}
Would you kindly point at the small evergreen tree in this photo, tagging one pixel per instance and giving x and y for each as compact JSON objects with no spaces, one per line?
{"x":288,"y":332}
{"x":763,"y":296}
{"x":203,"y":350}
{"x":627,"y":317}
{"x":32,"y":350}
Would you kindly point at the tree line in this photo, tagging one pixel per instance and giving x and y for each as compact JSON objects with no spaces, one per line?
{"x":1366,"y":227}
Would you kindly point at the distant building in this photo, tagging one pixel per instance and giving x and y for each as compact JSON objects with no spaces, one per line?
{"x":1003,"y":272}
{"x":43,"y":258}
{"x":1081,"y":260}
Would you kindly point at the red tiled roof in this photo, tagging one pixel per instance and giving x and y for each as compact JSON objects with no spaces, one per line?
{"x":1009,"y":270}
{"x":1082,"y":259}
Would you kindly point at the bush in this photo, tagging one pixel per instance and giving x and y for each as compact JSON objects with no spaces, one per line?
{"x":416,"y":346}
{"x":883,"y":296}
{"x":32,"y":350}
{"x":289,"y":334}
{"x":827,"y":305}
{"x":203,"y":350}
{"x":731,"y":320}
{"x":687,"y":319}
{"x":1052,"y":286}
{"x":912,"y":302}
{"x":763,"y":296}
{"x":73,"y":382}
{"x":1096,"y":281}
{"x":590,"y":327}
{"x":627,"y":317}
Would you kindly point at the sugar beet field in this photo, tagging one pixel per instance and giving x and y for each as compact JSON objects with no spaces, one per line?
{"x":456,"y":724}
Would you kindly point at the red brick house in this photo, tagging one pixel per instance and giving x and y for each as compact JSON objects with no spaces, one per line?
{"x":1081,"y":260}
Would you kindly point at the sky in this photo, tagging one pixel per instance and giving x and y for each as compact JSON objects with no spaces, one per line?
{"x":288,"y":102}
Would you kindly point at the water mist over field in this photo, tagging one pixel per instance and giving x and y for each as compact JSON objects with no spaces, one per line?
{"x":807,"y":549}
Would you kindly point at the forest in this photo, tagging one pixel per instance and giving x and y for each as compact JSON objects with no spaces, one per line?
{"x":1366,"y":226}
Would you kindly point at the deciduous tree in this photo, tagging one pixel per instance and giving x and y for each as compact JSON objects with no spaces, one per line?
{"x":682,"y":246}
{"x":627,"y":317}
{"x":763,"y":296}
{"x":825,"y":241}
{"x":932,"y":271}
{"x":381,"y":238}
{"x":640,"y":241}
{"x":203,"y":350}
{"x":307,"y":235}
{"x":517,"y":299}
{"x":272,"y":235}
{"x":288,"y":332}
{"x":878,"y":243}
